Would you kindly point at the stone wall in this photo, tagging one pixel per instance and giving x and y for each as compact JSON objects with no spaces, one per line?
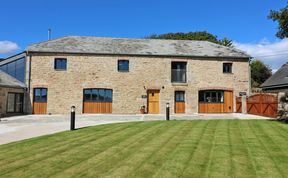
{"x":65,"y":88}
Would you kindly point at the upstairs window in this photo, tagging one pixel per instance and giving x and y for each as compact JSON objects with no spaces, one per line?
{"x":227,"y":67}
{"x":178,"y":71}
{"x":60,"y":64}
{"x":123,"y":65}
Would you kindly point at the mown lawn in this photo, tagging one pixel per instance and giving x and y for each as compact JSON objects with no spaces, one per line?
{"x":207,"y":148}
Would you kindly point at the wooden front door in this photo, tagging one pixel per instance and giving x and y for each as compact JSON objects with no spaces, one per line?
{"x":179,"y":101}
{"x":40,"y":101}
{"x":153,"y":101}
{"x":228,"y":101}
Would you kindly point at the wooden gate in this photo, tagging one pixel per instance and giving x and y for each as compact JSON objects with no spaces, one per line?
{"x":239,"y":104}
{"x":263,"y":105}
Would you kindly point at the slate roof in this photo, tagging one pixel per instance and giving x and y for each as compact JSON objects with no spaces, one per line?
{"x":9,"y":81}
{"x":130,"y":46}
{"x":278,"y":79}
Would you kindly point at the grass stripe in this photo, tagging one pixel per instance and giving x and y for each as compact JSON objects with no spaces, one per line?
{"x":58,"y":139}
{"x":264,"y":166}
{"x":202,"y":148}
{"x":220,"y":152}
{"x":197,"y":165}
{"x":242,"y":163}
{"x":176,"y":162}
{"x":78,"y":156}
{"x":60,"y":146}
{"x":150,"y":159}
{"x":40,"y":156}
{"x":277,"y":152}
{"x":151,"y":142}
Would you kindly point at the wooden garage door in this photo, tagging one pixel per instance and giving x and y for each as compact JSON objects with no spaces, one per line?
{"x":40,"y":101}
{"x":153,"y":101}
{"x":97,"y":100}
{"x":215,"y":101}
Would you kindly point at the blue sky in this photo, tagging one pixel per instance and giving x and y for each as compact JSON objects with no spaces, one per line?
{"x":243,"y":21}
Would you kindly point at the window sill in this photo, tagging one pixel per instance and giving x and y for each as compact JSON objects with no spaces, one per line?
{"x":60,"y":69}
{"x":179,"y":84}
{"x":123,"y":71}
{"x":228,"y":73}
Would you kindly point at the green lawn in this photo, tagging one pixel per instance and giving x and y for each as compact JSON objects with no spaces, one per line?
{"x":206,"y":148}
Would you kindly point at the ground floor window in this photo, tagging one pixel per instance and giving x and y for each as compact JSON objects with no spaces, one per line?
{"x":97,"y":100}
{"x":15,"y":103}
{"x":97,"y":95}
{"x":40,"y":95}
{"x":180,"y":96}
{"x":211,"y":96}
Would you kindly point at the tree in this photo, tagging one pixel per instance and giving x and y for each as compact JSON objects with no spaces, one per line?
{"x":281,"y":17}
{"x":201,"y":36}
{"x":226,"y":42}
{"x":260,"y":72}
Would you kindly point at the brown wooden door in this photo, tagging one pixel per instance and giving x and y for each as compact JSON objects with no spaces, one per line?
{"x":40,"y":100}
{"x":39,"y":108}
{"x":97,"y":107}
{"x":153,"y":101}
{"x":228,"y":101}
{"x":179,"y":101}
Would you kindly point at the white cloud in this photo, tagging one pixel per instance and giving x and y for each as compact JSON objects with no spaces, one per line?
{"x":7,"y":47}
{"x":274,"y":54}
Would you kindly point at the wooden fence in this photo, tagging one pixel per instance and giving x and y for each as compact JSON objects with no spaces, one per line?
{"x":260,"y":104}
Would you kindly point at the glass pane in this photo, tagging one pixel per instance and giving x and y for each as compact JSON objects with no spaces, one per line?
{"x":58,"y":64}
{"x":221,"y":96}
{"x":20,"y":69}
{"x":19,"y":102}
{"x":87,"y":95}
{"x":44,"y":95}
{"x":95,"y":95}
{"x":208,"y":97}
{"x":101,"y":95}
{"x":109,"y":95}
{"x":201,"y":96}
{"x":62,"y":63}
{"x":123,"y":65}
{"x":11,"y":102}
{"x":179,"y":96}
{"x":11,"y":69}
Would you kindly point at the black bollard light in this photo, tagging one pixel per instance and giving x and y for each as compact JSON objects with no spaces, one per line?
{"x":72,"y":119}
{"x":167,"y":112}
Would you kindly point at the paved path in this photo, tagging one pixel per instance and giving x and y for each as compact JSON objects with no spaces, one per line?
{"x":24,"y":127}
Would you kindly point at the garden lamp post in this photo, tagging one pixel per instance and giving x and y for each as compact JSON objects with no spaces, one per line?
{"x":167,"y":112}
{"x":72,"y":118}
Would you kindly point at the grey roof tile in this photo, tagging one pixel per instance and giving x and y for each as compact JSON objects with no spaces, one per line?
{"x":9,"y":81}
{"x":279,"y":78}
{"x":131,"y":46}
